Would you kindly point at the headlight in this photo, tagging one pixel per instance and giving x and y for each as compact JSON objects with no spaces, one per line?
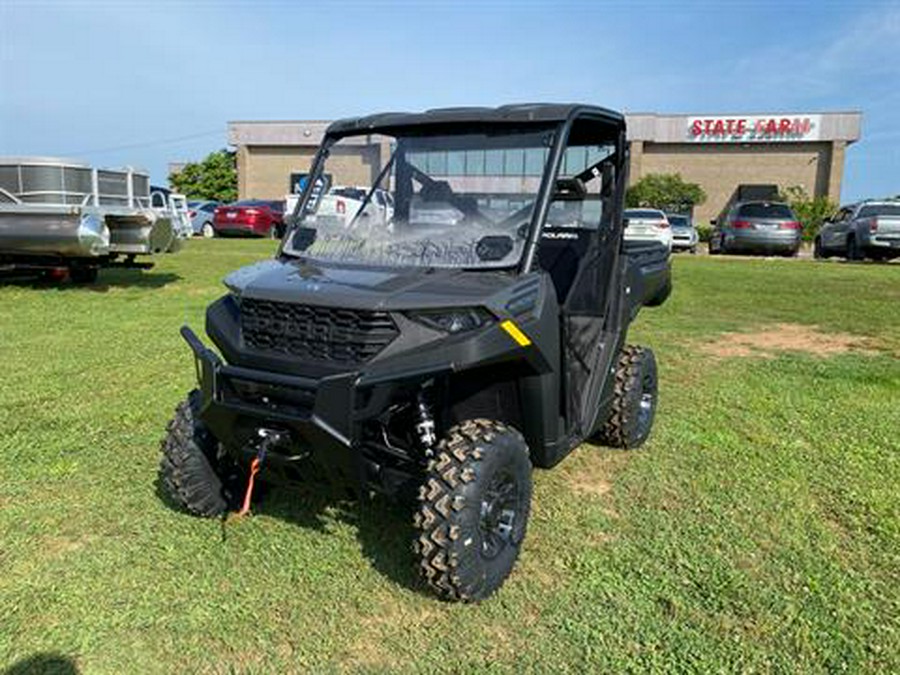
{"x":452,"y":320}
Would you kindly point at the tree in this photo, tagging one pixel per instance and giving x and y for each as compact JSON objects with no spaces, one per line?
{"x":665,"y":191}
{"x":812,"y":212}
{"x":213,"y":178}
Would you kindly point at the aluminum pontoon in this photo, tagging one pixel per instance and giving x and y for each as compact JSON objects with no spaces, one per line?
{"x":58,"y":213}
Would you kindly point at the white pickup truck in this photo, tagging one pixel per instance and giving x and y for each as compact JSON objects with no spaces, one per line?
{"x":343,"y":202}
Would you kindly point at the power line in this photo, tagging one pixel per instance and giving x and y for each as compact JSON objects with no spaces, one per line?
{"x":147,"y":144}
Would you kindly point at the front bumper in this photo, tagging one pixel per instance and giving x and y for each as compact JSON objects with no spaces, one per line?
{"x":682,"y":240}
{"x":321,"y":417}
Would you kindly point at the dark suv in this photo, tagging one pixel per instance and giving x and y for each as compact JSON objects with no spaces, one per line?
{"x":756,"y":227}
{"x":442,"y":351}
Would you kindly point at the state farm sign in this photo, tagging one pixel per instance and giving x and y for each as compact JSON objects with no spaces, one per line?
{"x":754,"y":129}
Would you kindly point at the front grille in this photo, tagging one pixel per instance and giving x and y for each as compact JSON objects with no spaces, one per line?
{"x":345,"y":336}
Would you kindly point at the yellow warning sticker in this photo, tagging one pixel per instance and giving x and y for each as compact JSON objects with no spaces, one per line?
{"x":515,"y":333}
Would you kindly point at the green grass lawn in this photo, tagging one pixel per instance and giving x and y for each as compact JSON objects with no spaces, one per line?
{"x":758,"y":530}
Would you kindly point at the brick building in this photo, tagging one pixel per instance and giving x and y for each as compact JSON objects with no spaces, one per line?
{"x":719,"y":152}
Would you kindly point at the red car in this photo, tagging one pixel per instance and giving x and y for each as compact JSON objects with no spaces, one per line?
{"x":255,"y":217}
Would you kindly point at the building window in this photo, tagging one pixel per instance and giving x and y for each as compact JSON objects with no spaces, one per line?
{"x":474,"y":162}
{"x":535,"y":158}
{"x":437,"y":163}
{"x":456,"y":163}
{"x":514,"y":162}
{"x":493,"y":162}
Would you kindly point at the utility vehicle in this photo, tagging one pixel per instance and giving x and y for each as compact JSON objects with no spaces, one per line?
{"x":443,"y":353}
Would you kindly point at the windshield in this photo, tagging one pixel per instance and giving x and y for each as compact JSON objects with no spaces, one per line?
{"x":765,"y":210}
{"x":452,"y":200}
{"x":679,"y":221}
{"x":638,"y":214}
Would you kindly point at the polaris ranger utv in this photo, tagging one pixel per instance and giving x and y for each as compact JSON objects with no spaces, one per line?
{"x":442,"y":350}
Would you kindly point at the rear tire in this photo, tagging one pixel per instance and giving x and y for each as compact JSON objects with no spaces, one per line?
{"x":193,"y":472}
{"x":634,"y":400}
{"x":473,"y":510}
{"x":208,"y":231}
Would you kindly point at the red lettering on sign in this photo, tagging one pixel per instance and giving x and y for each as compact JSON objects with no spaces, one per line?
{"x":741,"y":128}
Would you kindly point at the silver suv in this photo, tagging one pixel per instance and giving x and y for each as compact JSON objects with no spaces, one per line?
{"x":757,"y":227}
{"x":859,"y":231}
{"x":684,"y":234}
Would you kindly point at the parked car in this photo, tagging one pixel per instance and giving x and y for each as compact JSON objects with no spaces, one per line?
{"x":342,"y":202}
{"x":647,"y":225}
{"x":756,"y":227}
{"x":870,"y":229}
{"x":201,"y":215}
{"x":684,"y":234}
{"x":256,"y":217}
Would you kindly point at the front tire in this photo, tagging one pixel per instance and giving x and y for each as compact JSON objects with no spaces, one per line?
{"x":193,"y":472}
{"x":473,"y":510}
{"x":633,"y":407}
{"x":818,"y":249}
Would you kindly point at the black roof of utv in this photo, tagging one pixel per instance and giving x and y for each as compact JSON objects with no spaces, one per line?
{"x":505,"y":114}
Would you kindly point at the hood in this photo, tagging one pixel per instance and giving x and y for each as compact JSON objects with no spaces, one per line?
{"x":331,"y":285}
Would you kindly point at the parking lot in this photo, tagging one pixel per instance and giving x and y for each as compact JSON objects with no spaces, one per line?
{"x":757,"y":530}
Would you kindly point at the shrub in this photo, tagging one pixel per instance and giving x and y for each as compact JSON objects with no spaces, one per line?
{"x":812,"y":212}
{"x":665,"y":191}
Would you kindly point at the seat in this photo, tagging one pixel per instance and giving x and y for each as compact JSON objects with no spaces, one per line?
{"x":560,"y":252}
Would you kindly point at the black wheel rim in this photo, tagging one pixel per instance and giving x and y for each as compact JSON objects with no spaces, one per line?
{"x":645,"y":405}
{"x":499,"y":514}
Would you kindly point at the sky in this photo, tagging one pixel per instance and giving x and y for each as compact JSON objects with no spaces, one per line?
{"x":147,"y":83}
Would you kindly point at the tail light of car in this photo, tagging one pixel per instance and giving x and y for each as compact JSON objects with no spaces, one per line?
{"x":873,"y":225}
{"x":790,"y":225}
{"x":663,"y":224}
{"x":340,"y":206}
{"x":192,"y":214}
{"x":742,"y":225}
